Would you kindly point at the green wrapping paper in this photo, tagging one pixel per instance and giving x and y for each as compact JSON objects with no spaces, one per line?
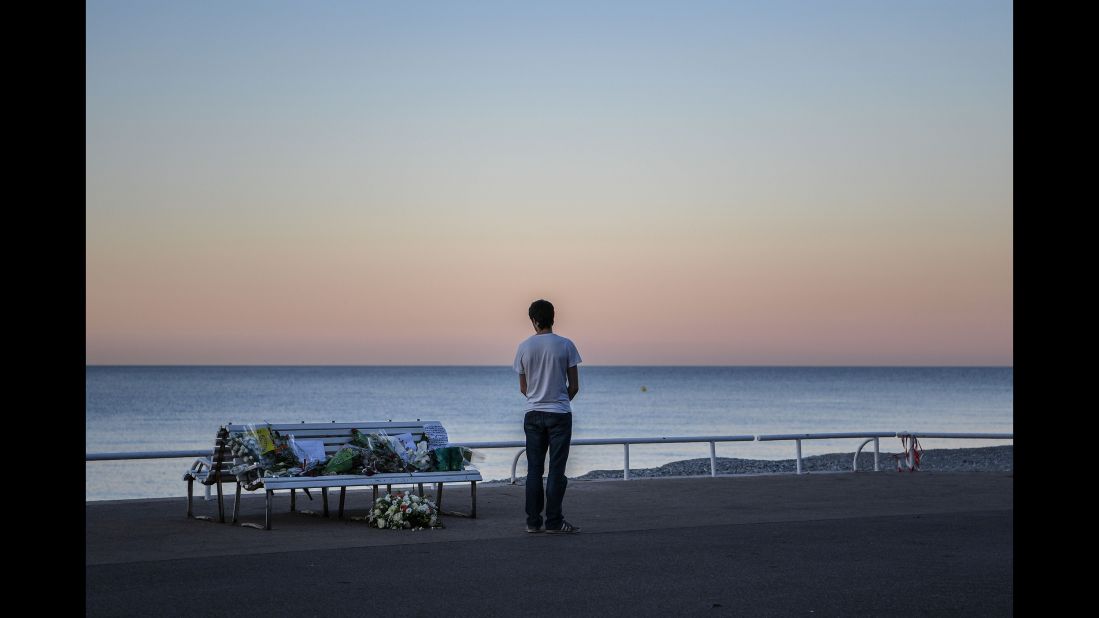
{"x":341,"y":462}
{"x":451,"y":458}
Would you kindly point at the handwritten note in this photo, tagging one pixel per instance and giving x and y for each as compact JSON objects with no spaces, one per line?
{"x":436,"y":435}
{"x":406,"y":440}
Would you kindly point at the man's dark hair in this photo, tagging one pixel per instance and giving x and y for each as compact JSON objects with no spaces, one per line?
{"x":542,"y":312}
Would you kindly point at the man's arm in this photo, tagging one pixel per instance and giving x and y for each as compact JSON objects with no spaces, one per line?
{"x":574,"y":381}
{"x":523,"y":384}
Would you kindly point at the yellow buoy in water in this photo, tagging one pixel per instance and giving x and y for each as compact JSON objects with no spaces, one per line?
{"x":644,"y":390}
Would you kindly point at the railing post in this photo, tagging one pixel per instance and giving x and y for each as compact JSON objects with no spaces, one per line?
{"x":855,"y":461}
{"x":626,"y":465}
{"x":713,"y":459}
{"x":876,"y":468}
{"x":515,"y":462}
{"x":799,"y":456}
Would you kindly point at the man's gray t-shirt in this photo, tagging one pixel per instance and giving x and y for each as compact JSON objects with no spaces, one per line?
{"x":545,"y":360}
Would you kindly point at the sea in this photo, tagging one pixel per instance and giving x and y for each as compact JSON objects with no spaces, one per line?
{"x":159,"y":408}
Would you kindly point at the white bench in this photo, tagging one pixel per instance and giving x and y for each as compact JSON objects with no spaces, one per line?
{"x":334,"y":435}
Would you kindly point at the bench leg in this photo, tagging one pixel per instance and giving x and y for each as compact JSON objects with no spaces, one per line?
{"x":293,"y":500}
{"x":190,"y":496}
{"x":473,"y":494}
{"x":388,"y":489}
{"x":439,"y":496}
{"x":375,"y":495}
{"x":324,"y":495}
{"x":267,"y":517}
{"x":221,"y":504}
{"x":236,"y":505}
{"x":343,"y":492}
{"x":421,"y":487}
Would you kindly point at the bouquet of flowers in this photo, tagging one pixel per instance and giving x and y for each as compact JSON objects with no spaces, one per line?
{"x":381,"y":454}
{"x":344,"y":460}
{"x":284,"y":461}
{"x":418,"y":458}
{"x":262,"y":452}
{"x":404,"y":511}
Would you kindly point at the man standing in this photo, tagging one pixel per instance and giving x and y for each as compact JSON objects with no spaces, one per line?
{"x":548,"y":378}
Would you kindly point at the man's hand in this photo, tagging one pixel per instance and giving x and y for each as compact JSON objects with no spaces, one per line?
{"x":574,"y":381}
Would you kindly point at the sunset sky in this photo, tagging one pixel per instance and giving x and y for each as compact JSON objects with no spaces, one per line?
{"x":734,"y":183}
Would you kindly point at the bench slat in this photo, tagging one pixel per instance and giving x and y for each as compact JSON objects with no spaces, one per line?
{"x":322,"y":433}
{"x":297,"y":482}
{"x":336,"y":427}
{"x":360,"y":480}
{"x":446,"y":477}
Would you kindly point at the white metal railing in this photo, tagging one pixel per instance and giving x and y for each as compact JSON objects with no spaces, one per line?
{"x":625,"y":442}
{"x":146,"y":455}
{"x":797,"y":438}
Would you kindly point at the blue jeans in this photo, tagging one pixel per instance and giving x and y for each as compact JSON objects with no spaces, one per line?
{"x":550,"y":431}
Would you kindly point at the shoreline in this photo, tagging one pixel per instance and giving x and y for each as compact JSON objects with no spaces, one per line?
{"x":980,"y":459}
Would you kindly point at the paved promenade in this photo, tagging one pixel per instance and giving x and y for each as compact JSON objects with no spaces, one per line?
{"x":839,"y":544}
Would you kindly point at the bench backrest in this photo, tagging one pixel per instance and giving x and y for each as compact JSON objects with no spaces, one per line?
{"x":336,"y":435}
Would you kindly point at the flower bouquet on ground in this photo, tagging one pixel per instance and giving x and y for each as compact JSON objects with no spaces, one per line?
{"x":404,"y":511}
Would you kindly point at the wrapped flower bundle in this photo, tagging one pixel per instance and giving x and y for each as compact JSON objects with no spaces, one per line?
{"x":285,"y":462}
{"x":382,"y":453}
{"x":418,"y":458}
{"x":452,"y":458}
{"x":264,"y":452}
{"x":343,"y":461}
